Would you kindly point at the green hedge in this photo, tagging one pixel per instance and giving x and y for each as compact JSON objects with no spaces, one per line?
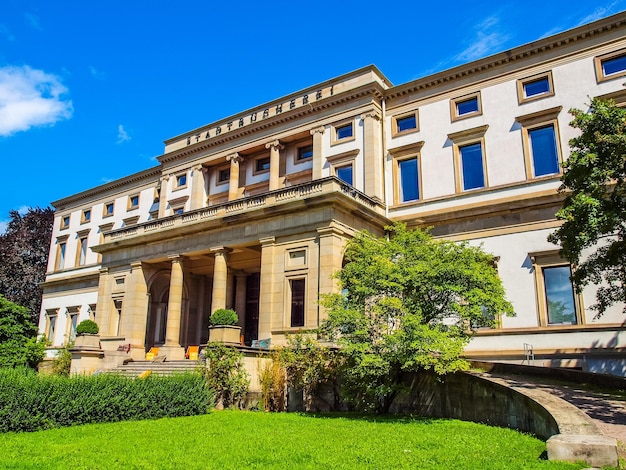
{"x":31,"y":402}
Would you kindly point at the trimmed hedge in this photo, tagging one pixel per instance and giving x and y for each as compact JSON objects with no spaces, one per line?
{"x":224,"y":317}
{"x":32,"y":402}
{"x":87,"y":326}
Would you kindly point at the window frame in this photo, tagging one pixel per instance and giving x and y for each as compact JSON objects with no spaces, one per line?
{"x":85,"y":216}
{"x":290,"y":301}
{"x":52,"y":318}
{"x":82,"y":247}
{"x":529,"y":122}
{"x":61,"y":252}
{"x":260,"y":171}
{"x":466,"y":138}
{"x":105,"y":212}
{"x":178,"y":184}
{"x":552,"y":259}
{"x":400,"y":154}
{"x":218,"y":173}
{"x":394,"y":124}
{"x":340,"y":125}
{"x":454,"y":110}
{"x":599,"y":62}
{"x":300,"y":150}
{"x":132,"y":206}
{"x":65,"y":222}
{"x":343,"y":160}
{"x":521,"y":87}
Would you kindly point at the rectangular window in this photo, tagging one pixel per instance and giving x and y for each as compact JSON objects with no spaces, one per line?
{"x":344,"y":132}
{"x":405,"y":124}
{"x":297,"y":301}
{"x":60,"y":260}
{"x":465,"y":106}
{"x":558,"y":303}
{"x":612,"y":65}
{"x":472,"y":169}
{"x":223,"y":175}
{"x":305,"y":153}
{"x":82,"y":251}
{"x":65,"y":221}
{"x":408,"y":179}
{"x":72,"y":326}
{"x":108,"y":209}
{"x":262,"y":165}
{"x":545,"y":157}
{"x":52,"y":323}
{"x":535,"y":87}
{"x":181,"y":180}
{"x":133,"y":202}
{"x":344,"y":173}
{"x":178,"y":210}
{"x":86,"y":216}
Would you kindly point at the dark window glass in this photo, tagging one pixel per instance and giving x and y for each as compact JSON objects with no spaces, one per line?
{"x":297,"y":302}
{"x":543,"y":148}
{"x":409,"y":187}
{"x":66,"y":221}
{"x":305,"y":152}
{"x":179,"y":210}
{"x":344,"y":132}
{"x":472,"y":166}
{"x":181,"y":180}
{"x":263,"y":164}
{"x":406,"y":123}
{"x":559,"y":295}
{"x":223,"y":175}
{"x":87,"y":215}
{"x":109,"y":209}
{"x":134,"y":201}
{"x":614,"y":65}
{"x":82,"y":257}
{"x":537,"y":87}
{"x":344,"y":173}
{"x":467,"y":106}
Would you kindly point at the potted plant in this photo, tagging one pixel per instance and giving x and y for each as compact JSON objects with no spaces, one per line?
{"x":224,"y":328}
{"x":87,"y":334}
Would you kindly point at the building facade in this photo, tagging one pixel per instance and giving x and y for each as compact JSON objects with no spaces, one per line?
{"x":252,"y":212}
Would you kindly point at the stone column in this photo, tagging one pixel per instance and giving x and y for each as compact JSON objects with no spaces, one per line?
{"x":275,"y":147}
{"x":331,"y":245}
{"x":317,"y":152}
{"x":220,"y":277}
{"x":162,"y":196}
{"x":103,"y":307}
{"x":135,"y":308}
{"x":267,"y":294}
{"x":372,"y":155}
{"x":233,"y":184}
{"x":172,"y":348}
{"x":198,"y":184}
{"x":240,"y":298}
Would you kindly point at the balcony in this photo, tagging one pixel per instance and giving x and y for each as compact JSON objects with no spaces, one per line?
{"x":321,"y":189}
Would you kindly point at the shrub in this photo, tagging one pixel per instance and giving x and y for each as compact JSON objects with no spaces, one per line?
{"x":87,"y":327}
{"x":63,"y":361}
{"x":31,"y":402}
{"x":273,"y":381}
{"x":224,"y":317}
{"x":225,"y":374}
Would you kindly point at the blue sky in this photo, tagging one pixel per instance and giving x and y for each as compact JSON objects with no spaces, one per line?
{"x":89,"y":90}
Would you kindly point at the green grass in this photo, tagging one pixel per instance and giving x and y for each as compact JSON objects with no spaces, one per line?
{"x":244,"y":440}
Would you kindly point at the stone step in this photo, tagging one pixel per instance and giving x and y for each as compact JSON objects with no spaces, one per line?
{"x":134,"y":368}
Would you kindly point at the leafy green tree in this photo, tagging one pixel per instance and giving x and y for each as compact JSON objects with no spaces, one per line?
{"x":19,"y":345}
{"x":408,"y":302}
{"x":225,"y":374}
{"x":594,"y":210}
{"x":24,"y":253}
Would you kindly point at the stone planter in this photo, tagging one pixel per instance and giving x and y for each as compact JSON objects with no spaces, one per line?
{"x":87,"y":340}
{"x":225,"y":334}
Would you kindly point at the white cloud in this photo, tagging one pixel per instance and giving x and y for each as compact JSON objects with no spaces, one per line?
{"x":30,"y":98}
{"x":122,"y":135}
{"x":488,"y":40}
{"x":601,"y":12}
{"x":3,"y":226}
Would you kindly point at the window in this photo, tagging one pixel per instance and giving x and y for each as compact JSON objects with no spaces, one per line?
{"x":342,"y":132}
{"x":465,"y":106}
{"x":81,"y":255}
{"x":86,"y":217}
{"x":558,"y":303}
{"x":65,"y":221}
{"x":70,"y":332}
{"x":118,"y":316}
{"x":405,"y":124}
{"x":108,"y":209}
{"x":181,"y":180}
{"x":178,"y":210}
{"x":305,"y":153}
{"x":297,"y":301}
{"x":408,"y":180}
{"x":60,"y":259}
{"x":52,"y":324}
{"x":344,"y":173}
{"x":262,"y":165}
{"x":611,"y":65}
{"x":540,"y":142}
{"x":133,"y":202}
{"x":223,"y":175}
{"x":535,"y":87}
{"x":470,"y":162}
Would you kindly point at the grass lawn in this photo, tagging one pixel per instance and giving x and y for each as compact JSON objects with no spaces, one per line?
{"x":243,"y":440}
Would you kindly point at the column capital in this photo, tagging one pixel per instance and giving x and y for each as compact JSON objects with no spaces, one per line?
{"x":221,"y":249}
{"x":267,"y":241}
{"x":318,"y":130}
{"x":371,"y":114}
{"x":135,"y":265}
{"x":175,"y":258}
{"x":275,"y":144}
{"x":234,"y":158}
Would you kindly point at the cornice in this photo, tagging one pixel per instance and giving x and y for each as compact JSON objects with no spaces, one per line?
{"x":496,"y":61}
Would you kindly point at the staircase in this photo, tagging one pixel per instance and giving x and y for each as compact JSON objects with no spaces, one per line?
{"x":134,"y":368}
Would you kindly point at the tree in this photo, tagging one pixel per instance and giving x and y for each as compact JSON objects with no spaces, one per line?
{"x":24,"y":254}
{"x":594,"y":210}
{"x":19,"y":345}
{"x":408,"y":302}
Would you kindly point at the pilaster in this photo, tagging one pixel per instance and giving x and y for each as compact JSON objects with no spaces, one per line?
{"x":134,"y":321}
{"x":318,"y":161}
{"x":275,"y":148}
{"x":233,"y":183}
{"x":372,"y":155}
{"x":198,"y":187}
{"x":220,"y":279}
{"x":267,"y":294}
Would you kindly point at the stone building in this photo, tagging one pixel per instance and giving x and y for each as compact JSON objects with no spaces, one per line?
{"x":253,"y":211}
